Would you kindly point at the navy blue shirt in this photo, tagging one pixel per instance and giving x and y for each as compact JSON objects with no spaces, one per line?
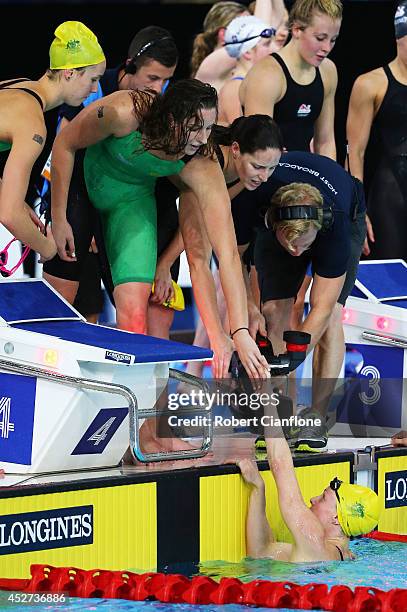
{"x":329,"y":252}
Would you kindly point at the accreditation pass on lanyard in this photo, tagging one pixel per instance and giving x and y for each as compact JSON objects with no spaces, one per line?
{"x":46,"y":171}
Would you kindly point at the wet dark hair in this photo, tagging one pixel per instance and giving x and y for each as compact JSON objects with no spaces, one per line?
{"x":163,"y":48}
{"x":167,"y":120}
{"x":253,"y":133}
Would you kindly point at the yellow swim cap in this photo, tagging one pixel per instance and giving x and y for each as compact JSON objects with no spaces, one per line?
{"x":358,"y":508}
{"x":74,"y":46}
{"x":177,"y":302}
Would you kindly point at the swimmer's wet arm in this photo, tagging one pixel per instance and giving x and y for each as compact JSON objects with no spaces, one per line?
{"x":205,"y":178}
{"x":259,"y":535}
{"x":323,"y":298}
{"x":305,"y":528}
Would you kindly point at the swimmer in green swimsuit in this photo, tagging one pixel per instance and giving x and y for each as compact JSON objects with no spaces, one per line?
{"x":174,"y":125}
{"x":120,"y":177}
{"x":70,"y":78}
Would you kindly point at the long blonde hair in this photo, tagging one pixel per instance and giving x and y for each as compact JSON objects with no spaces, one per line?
{"x":219,"y":16}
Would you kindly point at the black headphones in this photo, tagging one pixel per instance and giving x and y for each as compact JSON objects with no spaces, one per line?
{"x":131,"y":67}
{"x":322,"y":214}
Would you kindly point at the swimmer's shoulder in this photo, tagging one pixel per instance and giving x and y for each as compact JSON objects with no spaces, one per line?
{"x":266,"y":74}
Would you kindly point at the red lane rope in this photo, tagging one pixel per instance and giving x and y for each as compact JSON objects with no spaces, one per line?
{"x":387,"y":537}
{"x":176,"y":588}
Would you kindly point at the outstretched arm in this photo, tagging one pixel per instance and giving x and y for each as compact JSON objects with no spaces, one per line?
{"x":204,"y":177}
{"x":305,"y":528}
{"x":259,"y":536}
{"x":198,"y":250}
{"x":270,"y":11}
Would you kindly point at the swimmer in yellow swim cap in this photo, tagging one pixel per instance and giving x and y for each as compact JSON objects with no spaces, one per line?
{"x":76,"y":64}
{"x":357,"y":506}
{"x":321,"y":531}
{"x":74,"y":46}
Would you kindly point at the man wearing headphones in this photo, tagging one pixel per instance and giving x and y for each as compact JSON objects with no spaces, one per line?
{"x":151,"y":62}
{"x":311,"y":212}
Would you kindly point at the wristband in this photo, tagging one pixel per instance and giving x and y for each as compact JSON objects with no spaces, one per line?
{"x":238,"y":329}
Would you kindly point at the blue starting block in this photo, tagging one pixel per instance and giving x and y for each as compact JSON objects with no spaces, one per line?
{"x":63,"y":380}
{"x":375,"y":325}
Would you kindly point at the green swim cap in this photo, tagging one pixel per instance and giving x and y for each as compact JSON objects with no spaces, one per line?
{"x":74,"y":46}
{"x":357,"y":506}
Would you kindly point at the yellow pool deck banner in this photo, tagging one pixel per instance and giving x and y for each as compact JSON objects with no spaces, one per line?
{"x":391,"y":486}
{"x":149,"y":521}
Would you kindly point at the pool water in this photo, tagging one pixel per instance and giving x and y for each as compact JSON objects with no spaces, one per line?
{"x":379,"y":564}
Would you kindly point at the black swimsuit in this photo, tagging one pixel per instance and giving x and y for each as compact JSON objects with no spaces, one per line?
{"x":387,"y":200}
{"x":298,"y":109}
{"x":340,"y":552}
{"x":7,"y":84}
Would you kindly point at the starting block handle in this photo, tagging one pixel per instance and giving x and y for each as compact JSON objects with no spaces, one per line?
{"x":207,"y":429}
{"x":388,"y":340}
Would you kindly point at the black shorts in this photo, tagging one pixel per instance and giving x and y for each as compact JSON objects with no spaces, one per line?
{"x":281,"y":275}
{"x":89,"y":299}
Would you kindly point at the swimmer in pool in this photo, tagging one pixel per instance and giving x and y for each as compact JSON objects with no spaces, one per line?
{"x":321,"y":531}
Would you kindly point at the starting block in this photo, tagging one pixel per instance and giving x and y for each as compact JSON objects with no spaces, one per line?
{"x":375,"y":326}
{"x":72,"y":393}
